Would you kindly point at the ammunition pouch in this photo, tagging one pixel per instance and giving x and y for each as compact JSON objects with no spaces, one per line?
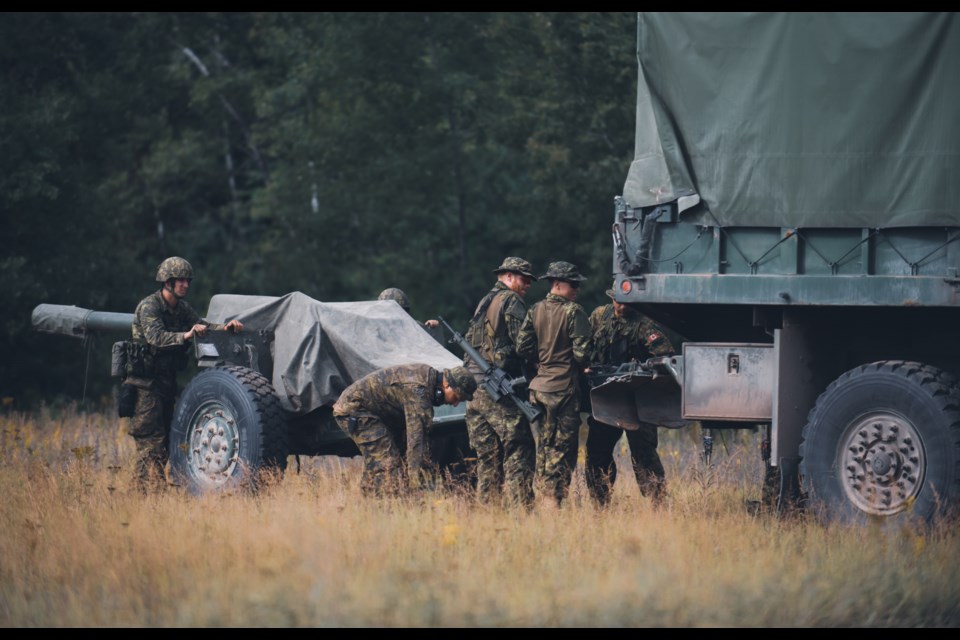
{"x":140,"y":360}
{"x":127,"y":401}
{"x":118,"y":359}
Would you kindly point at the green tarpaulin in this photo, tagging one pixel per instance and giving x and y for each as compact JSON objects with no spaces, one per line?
{"x":800,"y":119}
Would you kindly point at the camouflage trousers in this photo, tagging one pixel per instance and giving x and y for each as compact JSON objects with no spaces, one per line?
{"x":506,"y":451}
{"x":601,"y":469}
{"x":558,"y":440}
{"x":384,"y":457}
{"x":150,"y":428}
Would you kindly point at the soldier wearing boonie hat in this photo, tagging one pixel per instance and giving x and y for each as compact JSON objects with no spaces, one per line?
{"x":499,"y":432}
{"x":516,"y":265}
{"x":556,"y":336}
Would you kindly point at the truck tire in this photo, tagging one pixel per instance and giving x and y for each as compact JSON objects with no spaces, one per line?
{"x":882,"y":444}
{"x":228,"y":429}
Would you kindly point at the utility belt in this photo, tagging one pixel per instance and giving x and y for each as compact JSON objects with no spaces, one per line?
{"x":130,"y":359}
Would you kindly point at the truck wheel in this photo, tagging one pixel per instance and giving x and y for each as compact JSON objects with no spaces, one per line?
{"x":228,"y":429}
{"x":882,"y":443}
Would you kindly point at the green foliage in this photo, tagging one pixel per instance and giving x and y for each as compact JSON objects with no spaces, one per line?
{"x":330,"y":153}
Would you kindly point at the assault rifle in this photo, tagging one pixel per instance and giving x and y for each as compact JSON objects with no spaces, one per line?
{"x":496,"y":382}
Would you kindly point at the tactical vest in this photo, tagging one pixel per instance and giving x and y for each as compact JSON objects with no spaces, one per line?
{"x":487,"y":334}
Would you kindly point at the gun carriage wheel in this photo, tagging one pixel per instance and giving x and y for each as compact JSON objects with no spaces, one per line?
{"x":228,"y":430}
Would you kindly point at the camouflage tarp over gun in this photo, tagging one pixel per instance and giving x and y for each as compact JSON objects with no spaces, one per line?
{"x":496,"y":382}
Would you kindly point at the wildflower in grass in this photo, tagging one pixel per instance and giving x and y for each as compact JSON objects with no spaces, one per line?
{"x":451,"y":533}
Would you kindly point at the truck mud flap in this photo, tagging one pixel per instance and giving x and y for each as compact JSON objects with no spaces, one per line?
{"x":627,"y":401}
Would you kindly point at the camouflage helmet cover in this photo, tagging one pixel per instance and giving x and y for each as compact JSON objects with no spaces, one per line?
{"x":462,"y":381}
{"x":563,"y":271}
{"x":516,"y":265}
{"x":397,"y":296}
{"x":174,"y":267}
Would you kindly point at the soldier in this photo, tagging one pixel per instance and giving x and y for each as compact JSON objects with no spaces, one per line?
{"x":621,"y":334}
{"x":498,"y":431}
{"x":163,"y":324}
{"x":431,"y":326}
{"x":388,"y":413}
{"x":556,"y":335}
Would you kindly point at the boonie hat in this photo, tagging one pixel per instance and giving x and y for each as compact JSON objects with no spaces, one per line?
{"x":563,"y":271}
{"x":517,"y":265}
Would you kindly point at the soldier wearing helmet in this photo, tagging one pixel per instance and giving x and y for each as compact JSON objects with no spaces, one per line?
{"x":499,"y":432}
{"x":163,"y":325}
{"x":430,"y":326}
{"x":397,"y":296}
{"x":556,"y":336}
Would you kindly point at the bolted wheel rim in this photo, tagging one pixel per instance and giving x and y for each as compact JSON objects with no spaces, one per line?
{"x":214,"y":442}
{"x":882,"y":463}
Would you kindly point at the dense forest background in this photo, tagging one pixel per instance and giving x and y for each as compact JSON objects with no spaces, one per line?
{"x":335,"y":154}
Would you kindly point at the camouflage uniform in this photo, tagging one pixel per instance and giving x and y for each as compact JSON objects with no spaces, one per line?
{"x":388,"y":413}
{"x":556,"y":335}
{"x":498,"y":431}
{"x":617,"y":340}
{"x":159,"y":329}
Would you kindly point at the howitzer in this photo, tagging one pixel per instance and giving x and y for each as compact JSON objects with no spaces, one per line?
{"x":231,"y":421}
{"x":496,"y":382}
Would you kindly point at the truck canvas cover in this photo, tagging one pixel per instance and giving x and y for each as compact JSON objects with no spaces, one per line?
{"x":799,"y":119}
{"x":321,"y":347}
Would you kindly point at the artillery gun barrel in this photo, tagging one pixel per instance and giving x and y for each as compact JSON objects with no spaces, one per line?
{"x":78,"y":322}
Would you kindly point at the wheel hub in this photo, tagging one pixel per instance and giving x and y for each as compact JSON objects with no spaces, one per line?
{"x":882,"y":463}
{"x":213,"y":440}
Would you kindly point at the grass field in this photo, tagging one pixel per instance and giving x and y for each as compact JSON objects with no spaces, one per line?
{"x":79,"y":548}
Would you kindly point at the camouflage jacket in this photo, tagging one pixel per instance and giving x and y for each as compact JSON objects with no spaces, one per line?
{"x":621,"y":339}
{"x":160,"y":328}
{"x":556,"y":335}
{"x":402,"y":395}
{"x":494,"y":329}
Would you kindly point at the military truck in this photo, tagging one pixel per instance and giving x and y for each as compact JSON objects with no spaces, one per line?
{"x":792,"y":209}
{"x":266,"y":394}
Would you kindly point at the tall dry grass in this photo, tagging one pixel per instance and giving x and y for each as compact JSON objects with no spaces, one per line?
{"x":79,"y":548}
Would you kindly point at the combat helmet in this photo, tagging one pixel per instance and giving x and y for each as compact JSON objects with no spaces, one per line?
{"x":563,"y":271}
{"x":174,"y":267}
{"x":397,"y":296}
